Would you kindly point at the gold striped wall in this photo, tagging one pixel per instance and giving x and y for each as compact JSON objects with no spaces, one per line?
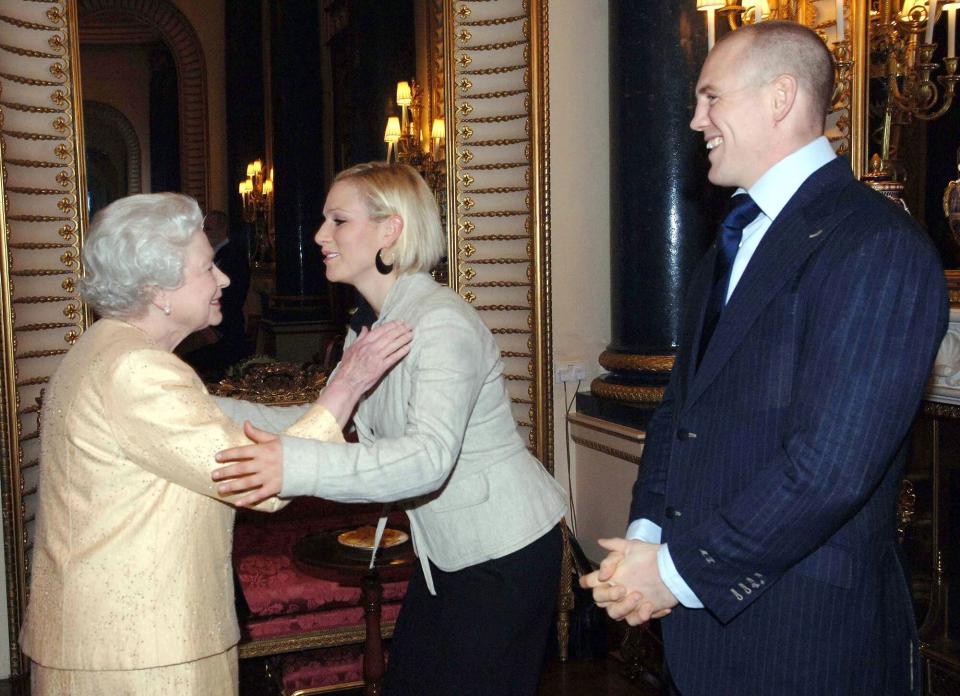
{"x":496,"y":104}
{"x":41,"y":232}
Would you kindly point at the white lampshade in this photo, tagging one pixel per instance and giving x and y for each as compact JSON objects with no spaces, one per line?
{"x":704,"y":5}
{"x":392,"y":133}
{"x":404,"y":94}
{"x":439,"y":130}
{"x":951,"y":5}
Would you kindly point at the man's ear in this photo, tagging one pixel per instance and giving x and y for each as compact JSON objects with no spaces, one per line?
{"x":783,"y":95}
{"x":392,"y":229}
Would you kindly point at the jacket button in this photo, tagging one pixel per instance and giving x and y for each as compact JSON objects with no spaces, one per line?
{"x":684,"y":434}
{"x":672,"y":513}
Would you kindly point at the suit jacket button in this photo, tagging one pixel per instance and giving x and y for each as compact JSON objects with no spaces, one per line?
{"x":672,"y":513}
{"x":684,"y":434}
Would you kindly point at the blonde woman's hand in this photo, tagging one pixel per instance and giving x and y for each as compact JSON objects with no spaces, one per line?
{"x":258,"y":469}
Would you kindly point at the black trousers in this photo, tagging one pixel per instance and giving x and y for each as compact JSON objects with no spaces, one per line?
{"x":485,"y":631}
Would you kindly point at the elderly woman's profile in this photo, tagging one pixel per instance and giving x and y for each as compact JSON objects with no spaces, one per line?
{"x":131,"y":586}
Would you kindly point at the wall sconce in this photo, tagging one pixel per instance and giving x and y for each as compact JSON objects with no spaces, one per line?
{"x":405,"y":141}
{"x":256,"y":191}
{"x":901,"y":40}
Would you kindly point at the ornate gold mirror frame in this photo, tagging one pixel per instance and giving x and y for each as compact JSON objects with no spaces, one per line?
{"x":495,"y":92}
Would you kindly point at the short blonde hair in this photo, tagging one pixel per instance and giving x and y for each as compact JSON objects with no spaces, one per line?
{"x":397,"y":189}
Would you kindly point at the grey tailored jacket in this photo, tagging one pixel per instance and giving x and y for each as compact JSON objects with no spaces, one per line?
{"x":437,"y":433}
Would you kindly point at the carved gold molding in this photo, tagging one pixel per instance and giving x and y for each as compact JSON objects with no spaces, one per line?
{"x":498,"y":190}
{"x":624,"y":392}
{"x":636,"y":363}
{"x":325,"y":638}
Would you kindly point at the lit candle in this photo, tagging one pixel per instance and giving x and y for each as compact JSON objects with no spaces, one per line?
{"x":841,"y":30}
{"x":931,"y":20}
{"x":951,"y":31}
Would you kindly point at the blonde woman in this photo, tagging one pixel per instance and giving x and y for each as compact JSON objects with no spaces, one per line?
{"x":437,"y":434}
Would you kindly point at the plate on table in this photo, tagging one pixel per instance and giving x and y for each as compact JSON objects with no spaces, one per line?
{"x":363,"y":537}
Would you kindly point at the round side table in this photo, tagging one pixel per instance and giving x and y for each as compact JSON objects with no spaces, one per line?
{"x":321,"y":555}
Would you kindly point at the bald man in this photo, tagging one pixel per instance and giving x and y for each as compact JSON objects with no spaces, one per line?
{"x":763,"y":518}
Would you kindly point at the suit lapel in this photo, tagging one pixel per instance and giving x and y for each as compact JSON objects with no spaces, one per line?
{"x":802,"y":226}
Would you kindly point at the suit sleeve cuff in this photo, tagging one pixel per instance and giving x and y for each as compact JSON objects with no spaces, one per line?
{"x":671,"y":578}
{"x":644,"y":530}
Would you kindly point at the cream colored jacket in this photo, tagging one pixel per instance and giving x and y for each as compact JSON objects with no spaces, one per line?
{"x":131,"y":565}
{"x":439,"y":434}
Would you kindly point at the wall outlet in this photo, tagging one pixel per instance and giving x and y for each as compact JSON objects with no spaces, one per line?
{"x":569,"y":371}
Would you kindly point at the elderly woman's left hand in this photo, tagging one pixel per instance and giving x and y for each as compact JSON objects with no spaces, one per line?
{"x":258,"y":471}
{"x":363,"y":364}
{"x":373,"y":353}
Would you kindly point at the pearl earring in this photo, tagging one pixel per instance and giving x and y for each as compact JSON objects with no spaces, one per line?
{"x":166,"y":310}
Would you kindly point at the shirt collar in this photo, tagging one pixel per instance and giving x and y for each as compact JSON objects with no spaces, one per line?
{"x":776,"y":187}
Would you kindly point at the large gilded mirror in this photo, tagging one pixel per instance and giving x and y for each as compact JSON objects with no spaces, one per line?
{"x":485,"y":66}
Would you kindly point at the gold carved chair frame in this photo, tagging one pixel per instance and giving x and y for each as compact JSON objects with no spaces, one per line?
{"x":492,"y":83}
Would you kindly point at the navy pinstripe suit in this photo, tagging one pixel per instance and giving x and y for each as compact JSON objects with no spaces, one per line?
{"x":774,"y":467}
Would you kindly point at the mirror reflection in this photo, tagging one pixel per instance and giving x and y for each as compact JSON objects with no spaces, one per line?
{"x":913,"y":117}
{"x":251,"y":108}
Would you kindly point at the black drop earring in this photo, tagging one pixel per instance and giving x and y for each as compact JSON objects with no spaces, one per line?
{"x":384,"y":268}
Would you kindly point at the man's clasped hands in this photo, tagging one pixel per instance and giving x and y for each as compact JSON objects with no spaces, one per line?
{"x":628,"y":584}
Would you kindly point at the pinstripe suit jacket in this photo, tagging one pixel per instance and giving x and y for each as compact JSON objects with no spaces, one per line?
{"x":774,"y":467}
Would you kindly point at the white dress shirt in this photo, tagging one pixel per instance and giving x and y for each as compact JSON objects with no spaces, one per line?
{"x":771,"y":193}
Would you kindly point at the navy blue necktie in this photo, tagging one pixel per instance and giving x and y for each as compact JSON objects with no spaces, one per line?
{"x":743,"y":211}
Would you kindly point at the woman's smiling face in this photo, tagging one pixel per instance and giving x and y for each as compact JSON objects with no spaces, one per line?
{"x":348,"y":238}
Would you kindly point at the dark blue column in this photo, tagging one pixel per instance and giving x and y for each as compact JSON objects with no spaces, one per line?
{"x":663,"y":209}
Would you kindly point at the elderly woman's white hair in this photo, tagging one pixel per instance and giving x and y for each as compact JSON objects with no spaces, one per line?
{"x":135,"y":245}
{"x":397,"y":189}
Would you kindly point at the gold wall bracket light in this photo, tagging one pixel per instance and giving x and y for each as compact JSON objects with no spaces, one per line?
{"x":901,"y":41}
{"x":406,"y":142}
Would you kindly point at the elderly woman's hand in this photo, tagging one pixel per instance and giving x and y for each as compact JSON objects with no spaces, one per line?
{"x":259,"y":469}
{"x":373,"y":353}
{"x":364,"y":363}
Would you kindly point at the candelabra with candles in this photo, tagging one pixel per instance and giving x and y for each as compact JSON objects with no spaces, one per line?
{"x":405,"y":141}
{"x":901,"y":42}
{"x":256,"y":191}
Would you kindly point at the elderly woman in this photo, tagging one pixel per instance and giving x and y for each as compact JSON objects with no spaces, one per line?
{"x":438,"y":434}
{"x":131,"y":587}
